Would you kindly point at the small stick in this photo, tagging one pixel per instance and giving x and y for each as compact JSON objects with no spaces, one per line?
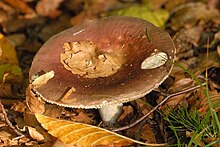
{"x":157,"y":106}
{"x":8,"y":121}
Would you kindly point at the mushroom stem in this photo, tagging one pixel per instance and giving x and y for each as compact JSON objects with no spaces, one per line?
{"x":110,"y":113}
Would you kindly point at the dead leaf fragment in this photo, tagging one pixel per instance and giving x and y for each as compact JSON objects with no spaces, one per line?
{"x":34,"y":103}
{"x":19,"y":107}
{"x":80,"y":134}
{"x":128,"y":112}
{"x":147,"y":134}
{"x":43,"y":79}
{"x":21,"y":5}
{"x":83,"y":118}
{"x":189,"y":14}
{"x":48,"y":8}
{"x":35,"y":134}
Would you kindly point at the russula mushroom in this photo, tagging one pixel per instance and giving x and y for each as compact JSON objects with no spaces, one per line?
{"x":102,"y":64}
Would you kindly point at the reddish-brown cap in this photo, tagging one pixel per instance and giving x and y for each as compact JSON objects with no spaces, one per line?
{"x":107,"y":61}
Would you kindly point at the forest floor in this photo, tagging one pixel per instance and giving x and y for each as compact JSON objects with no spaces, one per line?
{"x":190,"y":118}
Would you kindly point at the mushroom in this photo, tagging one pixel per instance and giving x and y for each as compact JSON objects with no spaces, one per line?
{"x":102,"y":64}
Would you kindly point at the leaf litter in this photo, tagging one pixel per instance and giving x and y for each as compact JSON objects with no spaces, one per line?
{"x":28,"y":24}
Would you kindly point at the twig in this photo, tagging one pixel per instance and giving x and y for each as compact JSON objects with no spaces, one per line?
{"x":8,"y":121}
{"x":157,"y":106}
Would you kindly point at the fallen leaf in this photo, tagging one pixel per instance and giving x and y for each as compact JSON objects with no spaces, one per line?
{"x":6,"y":90}
{"x":206,"y":61}
{"x":8,"y":53}
{"x":186,"y":40}
{"x":54,"y":111}
{"x":59,"y":143}
{"x":35,"y":134}
{"x":80,"y":134}
{"x":10,"y":72}
{"x":48,"y":8}
{"x":82,"y":118}
{"x":145,"y":11}
{"x":42,"y":79}
{"x":17,"y":39}
{"x":147,"y":134}
{"x":19,"y":107}
{"x":20,"y":24}
{"x":173,"y":102}
{"x":34,"y":103}
{"x":203,"y":103}
{"x":128,"y":112}
{"x":143,"y":107}
{"x":21,"y":5}
{"x":189,"y":14}
{"x":4,"y":135}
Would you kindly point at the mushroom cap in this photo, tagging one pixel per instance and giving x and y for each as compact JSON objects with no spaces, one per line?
{"x":140,"y":57}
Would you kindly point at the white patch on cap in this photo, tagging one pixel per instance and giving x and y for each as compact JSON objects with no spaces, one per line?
{"x":155,"y":60}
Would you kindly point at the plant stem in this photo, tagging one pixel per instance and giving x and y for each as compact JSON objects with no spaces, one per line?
{"x":168,"y":96}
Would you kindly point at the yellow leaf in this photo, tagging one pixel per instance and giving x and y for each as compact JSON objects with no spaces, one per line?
{"x":80,"y":134}
{"x":7,"y":50}
{"x":9,"y":69}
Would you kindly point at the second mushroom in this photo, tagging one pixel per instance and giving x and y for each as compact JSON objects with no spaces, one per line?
{"x":102,"y":64}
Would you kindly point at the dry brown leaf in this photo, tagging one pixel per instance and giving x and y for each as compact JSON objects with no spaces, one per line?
{"x":6,"y":90}
{"x":48,"y":8}
{"x":21,"y":5}
{"x":127,"y":112}
{"x":189,"y":14}
{"x":143,"y":106}
{"x":80,"y":134}
{"x":207,"y":61}
{"x":204,"y":104}
{"x":3,"y":16}
{"x":54,"y":111}
{"x":35,"y":134}
{"x":177,"y":86}
{"x":83,"y":118}
{"x":185,"y":40}
{"x":218,"y":50}
{"x":180,"y":85}
{"x":4,"y":135}
{"x":147,"y":134}
{"x":35,"y":104}
{"x":19,"y":107}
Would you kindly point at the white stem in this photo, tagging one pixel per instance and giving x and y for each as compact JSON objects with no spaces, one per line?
{"x":110,"y":113}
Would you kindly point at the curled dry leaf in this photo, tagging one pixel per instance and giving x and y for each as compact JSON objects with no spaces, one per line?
{"x":80,"y":134}
{"x":36,"y":105}
{"x":42,"y":79}
{"x":35,"y":134}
